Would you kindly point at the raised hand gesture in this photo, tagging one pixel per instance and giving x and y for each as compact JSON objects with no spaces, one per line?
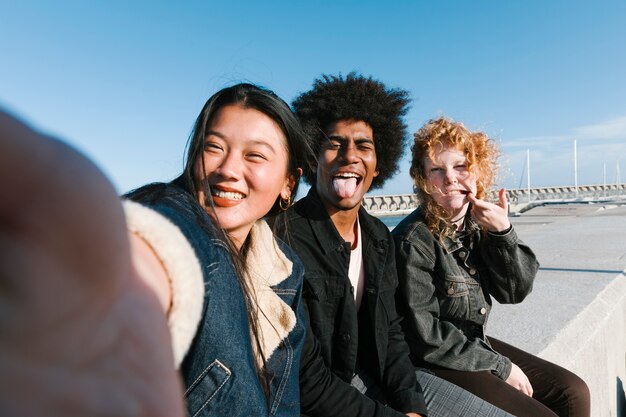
{"x":493,"y":217}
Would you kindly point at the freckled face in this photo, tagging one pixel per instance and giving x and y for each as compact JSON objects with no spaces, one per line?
{"x":449,"y":179}
{"x":245,"y":163}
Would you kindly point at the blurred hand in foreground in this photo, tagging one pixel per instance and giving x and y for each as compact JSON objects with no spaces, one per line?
{"x":80,"y":333}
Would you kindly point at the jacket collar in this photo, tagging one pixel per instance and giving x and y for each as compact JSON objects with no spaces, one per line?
{"x":451,"y":244}
{"x":267,"y":266}
{"x":324,"y":229}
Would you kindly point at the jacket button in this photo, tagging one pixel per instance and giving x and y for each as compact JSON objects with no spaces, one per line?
{"x":483,"y":310}
{"x":340,"y":248}
{"x":462,"y":254}
{"x":345,"y":337}
{"x":472,"y":271}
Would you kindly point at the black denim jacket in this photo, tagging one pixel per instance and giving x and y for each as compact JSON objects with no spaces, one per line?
{"x":445,"y":292}
{"x":331,"y":347}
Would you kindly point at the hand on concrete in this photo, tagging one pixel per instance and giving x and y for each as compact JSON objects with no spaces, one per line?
{"x":493,"y":217}
{"x":518,"y":379}
{"x":80,"y":333}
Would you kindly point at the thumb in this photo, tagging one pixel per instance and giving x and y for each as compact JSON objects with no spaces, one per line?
{"x":503,"y":201}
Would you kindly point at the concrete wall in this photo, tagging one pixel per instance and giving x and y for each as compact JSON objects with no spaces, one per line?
{"x":576,"y":314}
{"x":384,"y":203}
{"x":593,"y":345}
{"x":518,"y":198}
{"x":596,"y":192}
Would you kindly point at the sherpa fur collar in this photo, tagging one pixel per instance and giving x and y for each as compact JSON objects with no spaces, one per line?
{"x":182,"y":267}
{"x":267,"y":265}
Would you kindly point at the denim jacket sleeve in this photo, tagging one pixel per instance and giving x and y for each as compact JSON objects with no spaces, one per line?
{"x":511,"y":266}
{"x":432,"y":339}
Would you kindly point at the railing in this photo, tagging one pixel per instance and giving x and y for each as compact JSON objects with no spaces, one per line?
{"x":594,"y":192}
{"x":390,"y":203}
{"x":401,"y":203}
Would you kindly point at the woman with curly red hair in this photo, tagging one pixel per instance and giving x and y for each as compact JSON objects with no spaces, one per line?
{"x":453,"y":254}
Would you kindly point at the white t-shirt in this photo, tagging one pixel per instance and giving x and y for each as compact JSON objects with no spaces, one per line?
{"x":356,"y":272}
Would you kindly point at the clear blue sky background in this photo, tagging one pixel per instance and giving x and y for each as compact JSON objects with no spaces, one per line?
{"x":124,"y":81}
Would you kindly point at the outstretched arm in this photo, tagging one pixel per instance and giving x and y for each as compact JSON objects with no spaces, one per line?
{"x":78,"y":325}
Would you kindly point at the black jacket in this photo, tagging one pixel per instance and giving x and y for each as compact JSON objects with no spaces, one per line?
{"x":332,"y":344}
{"x":446,"y":289}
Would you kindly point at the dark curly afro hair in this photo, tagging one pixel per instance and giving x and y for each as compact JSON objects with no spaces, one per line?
{"x":356,"y":97}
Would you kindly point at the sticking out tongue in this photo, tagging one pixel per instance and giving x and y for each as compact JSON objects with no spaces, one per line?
{"x":344,"y":187}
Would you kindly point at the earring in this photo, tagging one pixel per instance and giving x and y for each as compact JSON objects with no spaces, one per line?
{"x":284,"y":203}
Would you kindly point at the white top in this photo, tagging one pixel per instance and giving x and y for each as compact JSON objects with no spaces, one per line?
{"x":356,"y":272}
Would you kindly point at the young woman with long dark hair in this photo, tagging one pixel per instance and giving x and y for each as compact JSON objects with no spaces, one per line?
{"x":88,"y":332}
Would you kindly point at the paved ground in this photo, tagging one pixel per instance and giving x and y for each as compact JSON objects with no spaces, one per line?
{"x":581,"y":248}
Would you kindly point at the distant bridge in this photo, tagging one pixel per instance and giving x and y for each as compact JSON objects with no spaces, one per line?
{"x":519,"y":198}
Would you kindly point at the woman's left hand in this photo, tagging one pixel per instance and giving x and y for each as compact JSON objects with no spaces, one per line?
{"x":493,"y":217}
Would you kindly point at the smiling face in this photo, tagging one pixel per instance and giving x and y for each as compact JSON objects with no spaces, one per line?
{"x":346,"y":165}
{"x":245,"y":164}
{"x":449,"y":179}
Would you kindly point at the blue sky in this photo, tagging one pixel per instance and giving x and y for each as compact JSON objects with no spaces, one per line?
{"x":124,"y":81}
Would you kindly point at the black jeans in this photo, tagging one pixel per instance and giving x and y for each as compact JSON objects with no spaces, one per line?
{"x":556,"y":391}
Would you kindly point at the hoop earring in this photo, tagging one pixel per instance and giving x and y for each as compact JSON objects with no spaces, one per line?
{"x":284,"y":203}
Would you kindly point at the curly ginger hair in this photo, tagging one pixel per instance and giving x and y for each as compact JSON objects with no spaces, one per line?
{"x":481,"y":153}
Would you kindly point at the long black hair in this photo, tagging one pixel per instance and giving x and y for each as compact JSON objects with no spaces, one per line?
{"x":247,"y":96}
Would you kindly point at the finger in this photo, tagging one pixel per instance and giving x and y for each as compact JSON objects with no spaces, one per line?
{"x":528,"y":391}
{"x":475,"y":201}
{"x":524,"y":388}
{"x":485,"y":207}
{"x":503,"y":201}
{"x":477,"y":209}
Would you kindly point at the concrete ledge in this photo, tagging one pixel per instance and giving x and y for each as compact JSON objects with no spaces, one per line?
{"x":593,"y":345}
{"x":576,"y":314}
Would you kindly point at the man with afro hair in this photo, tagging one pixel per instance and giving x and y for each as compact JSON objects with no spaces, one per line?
{"x":356,"y":98}
{"x":355,"y":361}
